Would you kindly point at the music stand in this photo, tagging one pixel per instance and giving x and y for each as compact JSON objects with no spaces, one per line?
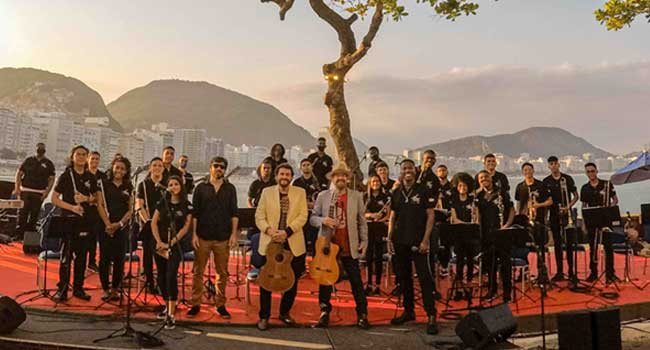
{"x":599,"y":218}
{"x":457,"y":235}
{"x":60,"y":227}
{"x":246,"y":221}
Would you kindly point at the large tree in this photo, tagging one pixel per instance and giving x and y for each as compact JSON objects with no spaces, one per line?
{"x":616,"y":14}
{"x":340,"y":15}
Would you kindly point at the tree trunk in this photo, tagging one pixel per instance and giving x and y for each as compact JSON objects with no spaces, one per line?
{"x":340,"y":126}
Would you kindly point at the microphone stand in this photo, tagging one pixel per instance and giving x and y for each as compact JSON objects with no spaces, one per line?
{"x":143,"y":339}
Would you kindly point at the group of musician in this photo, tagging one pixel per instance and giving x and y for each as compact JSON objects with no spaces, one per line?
{"x":407,"y":217}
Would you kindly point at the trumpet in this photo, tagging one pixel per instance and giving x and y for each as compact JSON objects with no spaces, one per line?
{"x":606,"y":199}
{"x":501,"y":207}
{"x":564,"y":191}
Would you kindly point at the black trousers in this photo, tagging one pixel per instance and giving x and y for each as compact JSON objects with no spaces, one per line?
{"x":405,"y":260}
{"x":112,"y":252}
{"x":499,"y":260}
{"x":351,"y":267}
{"x":148,"y":251}
{"x":311,"y":234}
{"x":465,"y":252}
{"x":96,"y":231}
{"x":609,"y":252}
{"x":168,"y":273}
{"x":28,"y":215}
{"x":434,"y":247}
{"x":570,"y":238}
{"x":288,"y":297}
{"x":375,"y":252}
{"x":73,"y":249}
{"x":444,"y":252}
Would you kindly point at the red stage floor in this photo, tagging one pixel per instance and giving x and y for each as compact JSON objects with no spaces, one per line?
{"x":18,"y":274}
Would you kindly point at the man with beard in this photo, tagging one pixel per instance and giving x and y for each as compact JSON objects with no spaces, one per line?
{"x":215,"y":232}
{"x":321,"y":162}
{"x":312,"y":187}
{"x":280,"y":216}
{"x":496,"y":212}
{"x":349,"y":230}
{"x":409,"y":234}
{"x":373,"y":152}
{"x":34,"y":180}
{"x":560,"y":211}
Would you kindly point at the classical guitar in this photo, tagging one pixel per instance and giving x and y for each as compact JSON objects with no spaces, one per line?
{"x":277,"y":275}
{"x":324,"y":268}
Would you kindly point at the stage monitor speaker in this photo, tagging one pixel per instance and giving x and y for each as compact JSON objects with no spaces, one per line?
{"x":488,"y":326}
{"x":645,"y":213}
{"x":574,"y":330}
{"x":606,"y":328}
{"x":32,"y":242}
{"x":6,"y":189}
{"x":11,"y":315}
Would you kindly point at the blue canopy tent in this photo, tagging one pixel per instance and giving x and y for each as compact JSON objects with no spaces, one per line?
{"x":637,"y":170}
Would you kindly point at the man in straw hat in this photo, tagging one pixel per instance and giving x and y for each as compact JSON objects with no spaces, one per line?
{"x":349,"y":230}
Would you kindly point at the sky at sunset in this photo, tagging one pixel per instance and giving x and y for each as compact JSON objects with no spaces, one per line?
{"x":518,"y":63}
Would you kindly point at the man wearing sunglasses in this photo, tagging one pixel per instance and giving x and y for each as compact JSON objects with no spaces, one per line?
{"x":215,"y":231}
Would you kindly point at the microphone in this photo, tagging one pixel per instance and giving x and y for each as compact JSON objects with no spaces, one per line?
{"x":139,"y":170}
{"x":415,"y":249}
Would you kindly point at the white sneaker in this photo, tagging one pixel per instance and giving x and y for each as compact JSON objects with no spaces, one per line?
{"x":170,"y":322}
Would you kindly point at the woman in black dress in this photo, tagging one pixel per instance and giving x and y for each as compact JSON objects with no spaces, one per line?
{"x":114,"y":204}
{"x":170,"y":223}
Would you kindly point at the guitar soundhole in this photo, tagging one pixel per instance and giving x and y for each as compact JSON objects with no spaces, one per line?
{"x":279,"y":258}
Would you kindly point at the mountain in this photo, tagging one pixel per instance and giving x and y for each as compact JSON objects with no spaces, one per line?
{"x":231,"y":116}
{"x":537,"y":141}
{"x":27,"y":89}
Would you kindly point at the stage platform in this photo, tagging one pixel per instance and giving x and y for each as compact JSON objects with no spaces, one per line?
{"x":19,"y":274}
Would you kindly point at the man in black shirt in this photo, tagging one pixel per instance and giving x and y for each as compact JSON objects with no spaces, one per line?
{"x":168,"y":164}
{"x":496,"y":212}
{"x":533,"y":200}
{"x":264,"y":180}
{"x":74,"y":191}
{"x":95,"y":222}
{"x":277,"y":157}
{"x":444,"y":202}
{"x":426,"y":175}
{"x":187,"y":176}
{"x":410,"y":226}
{"x":384,"y":176}
{"x":499,"y":180}
{"x":559,"y":214}
{"x":373,"y":152}
{"x":215,"y":231}
{"x":148,"y":194}
{"x":321,"y":162}
{"x":34,"y":180}
{"x":594,"y":194}
{"x":312,"y":187}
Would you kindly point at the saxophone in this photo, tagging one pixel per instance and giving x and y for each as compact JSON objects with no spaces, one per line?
{"x":501,"y":207}
{"x":532,"y":213}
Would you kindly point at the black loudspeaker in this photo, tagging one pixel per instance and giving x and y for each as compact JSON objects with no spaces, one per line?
{"x":479,"y":329}
{"x":32,"y":242}
{"x":606,"y":328}
{"x":574,"y":330}
{"x":645,"y":213}
{"x":11,"y":315}
{"x":590,"y":330}
{"x":6,"y":188}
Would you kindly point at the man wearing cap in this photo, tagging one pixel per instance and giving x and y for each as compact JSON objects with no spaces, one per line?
{"x":349,"y":230}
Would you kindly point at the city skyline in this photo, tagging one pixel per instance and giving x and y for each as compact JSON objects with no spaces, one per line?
{"x":549,"y":80}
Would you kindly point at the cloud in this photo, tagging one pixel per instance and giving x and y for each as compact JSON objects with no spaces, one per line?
{"x":607,"y":104}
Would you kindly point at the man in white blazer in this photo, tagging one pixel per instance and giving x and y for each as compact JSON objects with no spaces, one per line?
{"x":339,"y":214}
{"x":281,"y":213}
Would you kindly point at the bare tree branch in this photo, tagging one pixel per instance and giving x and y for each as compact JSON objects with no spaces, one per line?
{"x":366,"y":43}
{"x":341,"y":26}
{"x":285,"y":6}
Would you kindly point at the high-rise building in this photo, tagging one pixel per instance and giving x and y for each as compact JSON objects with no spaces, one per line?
{"x":213,"y":147}
{"x":192,"y":143}
{"x":8,"y":129}
{"x":132,"y":147}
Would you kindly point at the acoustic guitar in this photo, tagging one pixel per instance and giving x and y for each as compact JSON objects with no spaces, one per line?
{"x":324,"y":268}
{"x":277,"y":275}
